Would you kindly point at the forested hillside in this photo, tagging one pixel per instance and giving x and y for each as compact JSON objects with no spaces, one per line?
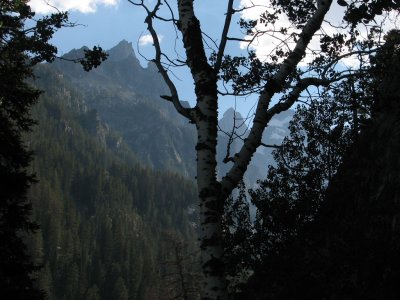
{"x":110,"y":207}
{"x":104,"y":216}
{"x":97,"y":173}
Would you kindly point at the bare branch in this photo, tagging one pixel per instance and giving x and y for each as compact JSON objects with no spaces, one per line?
{"x":174,"y":98}
{"x":271,"y":146}
{"x":210,"y":38}
{"x":239,"y":39}
{"x":221,"y":49}
{"x":337,"y":59}
{"x":236,"y":10}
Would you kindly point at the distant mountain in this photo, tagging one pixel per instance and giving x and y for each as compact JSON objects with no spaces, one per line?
{"x":112,"y":161}
{"x":274,"y":134}
{"x":232,"y":119}
{"x":105,"y":217}
{"x":278,"y":128}
{"x":121,"y":70}
{"x":127,"y":98}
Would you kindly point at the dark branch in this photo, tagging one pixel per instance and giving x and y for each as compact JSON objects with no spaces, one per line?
{"x":224,"y":36}
{"x":174,"y":98}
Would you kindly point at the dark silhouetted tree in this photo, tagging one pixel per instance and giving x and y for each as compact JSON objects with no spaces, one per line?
{"x":24,"y":42}
{"x":332,"y":233}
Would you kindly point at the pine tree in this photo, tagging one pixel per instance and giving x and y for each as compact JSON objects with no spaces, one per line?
{"x":22,"y":46}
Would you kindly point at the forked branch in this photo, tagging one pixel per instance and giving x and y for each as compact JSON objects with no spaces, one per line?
{"x":174,"y":98}
{"x":263,"y":115}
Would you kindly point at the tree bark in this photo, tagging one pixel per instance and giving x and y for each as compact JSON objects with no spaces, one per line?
{"x":206,"y":119}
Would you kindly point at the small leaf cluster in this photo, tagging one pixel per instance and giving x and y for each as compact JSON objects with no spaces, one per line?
{"x":246,"y":74}
{"x":93,"y":58}
{"x":364,"y":11}
{"x":298,"y":11}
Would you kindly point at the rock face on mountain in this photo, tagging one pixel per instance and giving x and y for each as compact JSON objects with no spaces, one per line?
{"x":229,"y":143}
{"x":121,"y":70}
{"x":126,"y":97}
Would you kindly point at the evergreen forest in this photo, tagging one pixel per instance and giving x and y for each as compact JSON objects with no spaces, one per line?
{"x":114,"y":187}
{"x":106,"y":220}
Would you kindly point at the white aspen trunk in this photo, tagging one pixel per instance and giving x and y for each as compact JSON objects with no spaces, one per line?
{"x":206,"y":118}
{"x":211,"y":206}
{"x":212,"y":194}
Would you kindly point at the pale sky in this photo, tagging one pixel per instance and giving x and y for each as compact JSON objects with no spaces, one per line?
{"x":107,"y":22}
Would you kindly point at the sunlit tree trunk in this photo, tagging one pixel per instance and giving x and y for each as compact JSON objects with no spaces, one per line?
{"x":206,"y":116}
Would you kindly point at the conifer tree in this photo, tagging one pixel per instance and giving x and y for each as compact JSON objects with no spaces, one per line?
{"x":24,"y":42}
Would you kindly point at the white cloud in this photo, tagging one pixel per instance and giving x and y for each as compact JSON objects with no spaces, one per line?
{"x":267,"y":43}
{"x":83,"y":6}
{"x":147,"y":39}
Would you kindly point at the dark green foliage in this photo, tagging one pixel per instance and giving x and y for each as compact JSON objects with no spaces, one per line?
{"x":366,"y":11}
{"x":289,"y":200}
{"x":320,"y":134}
{"x":238,"y":243}
{"x":179,"y":268}
{"x":326,"y":235}
{"x":246,"y":73}
{"x":24,"y":43}
{"x":102,"y":213}
{"x":357,"y":230}
{"x":20,"y":49}
{"x":93,"y":58}
{"x":297,"y":11}
{"x":276,"y":245}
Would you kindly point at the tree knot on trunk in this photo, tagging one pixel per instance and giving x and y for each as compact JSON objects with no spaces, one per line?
{"x":203,"y":146}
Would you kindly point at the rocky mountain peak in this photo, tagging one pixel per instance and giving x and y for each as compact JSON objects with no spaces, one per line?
{"x":76,"y":53}
{"x":230,"y":119}
{"x":151,"y":67}
{"x":121,"y":51}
